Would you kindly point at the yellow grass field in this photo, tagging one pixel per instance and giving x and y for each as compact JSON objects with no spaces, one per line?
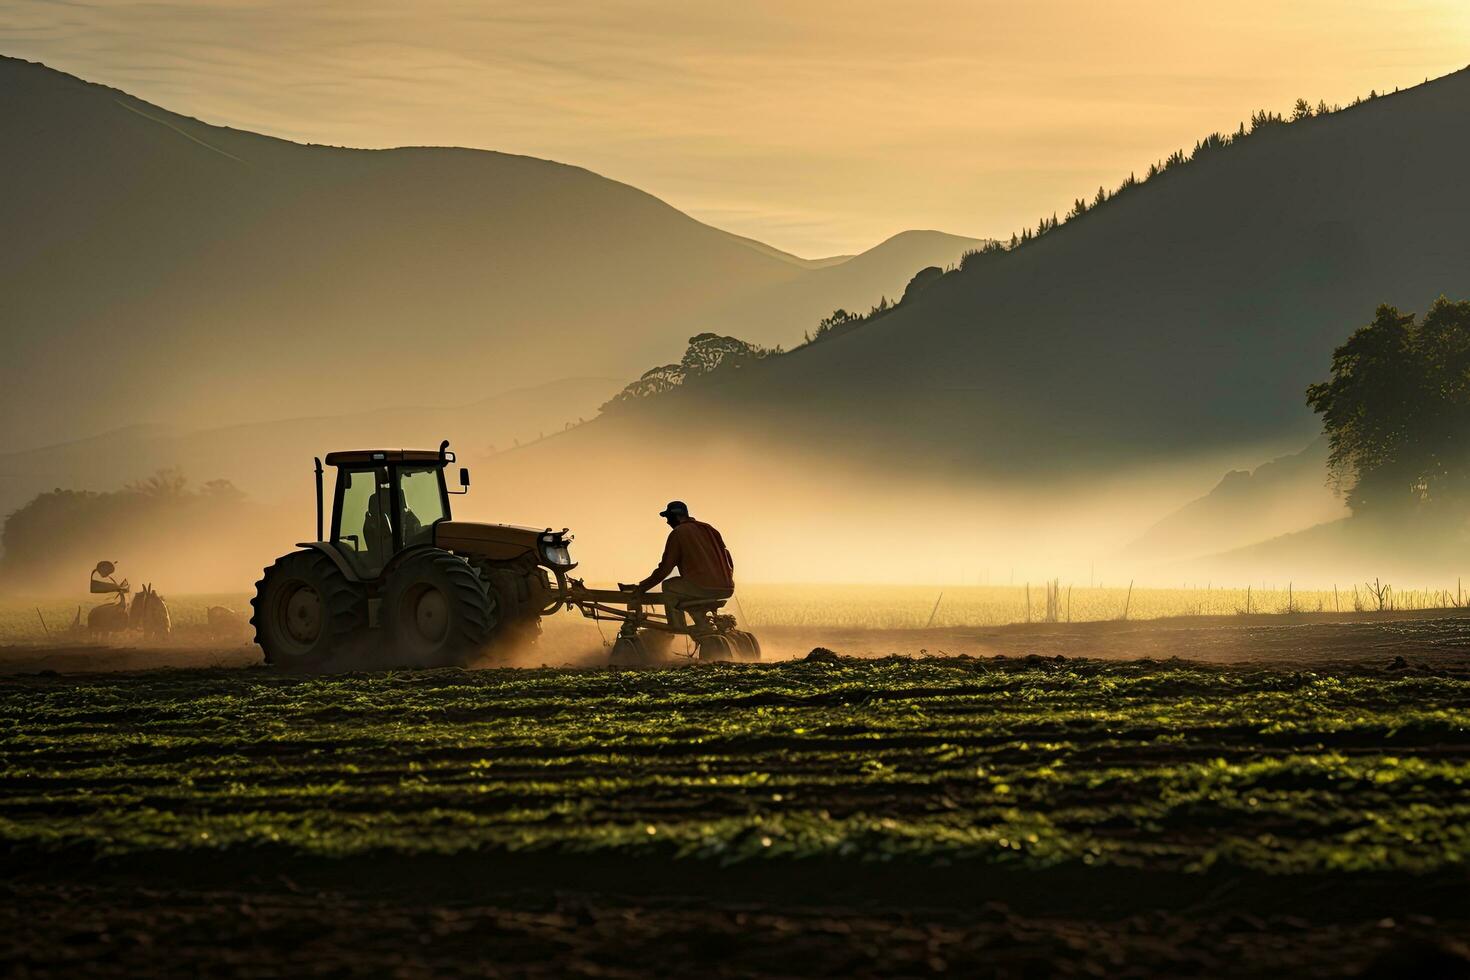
{"x":912,"y":606}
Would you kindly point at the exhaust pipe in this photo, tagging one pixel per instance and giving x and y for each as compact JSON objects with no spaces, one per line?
{"x":318,"y":461}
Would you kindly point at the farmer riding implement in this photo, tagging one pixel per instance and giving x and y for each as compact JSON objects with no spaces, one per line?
{"x":638,"y":641}
{"x":398,"y":572}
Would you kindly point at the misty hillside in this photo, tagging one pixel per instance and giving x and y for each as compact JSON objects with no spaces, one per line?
{"x":1054,"y":401}
{"x":272,"y":460}
{"x":155,"y":268}
{"x":1349,"y":552}
{"x":1184,"y":315}
{"x":1246,"y":507}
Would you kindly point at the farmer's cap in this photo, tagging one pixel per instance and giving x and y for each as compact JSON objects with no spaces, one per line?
{"x":676,"y":508}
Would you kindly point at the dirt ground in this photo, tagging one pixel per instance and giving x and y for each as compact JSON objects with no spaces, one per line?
{"x":278,"y":915}
{"x":386,"y":925}
{"x":1304,"y":638}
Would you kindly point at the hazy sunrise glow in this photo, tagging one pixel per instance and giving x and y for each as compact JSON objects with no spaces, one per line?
{"x":820,"y":127}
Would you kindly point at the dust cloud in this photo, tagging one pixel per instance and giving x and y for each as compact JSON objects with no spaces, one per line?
{"x":789,"y":516}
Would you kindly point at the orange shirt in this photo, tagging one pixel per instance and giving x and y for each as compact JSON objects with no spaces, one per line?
{"x":700,"y":554}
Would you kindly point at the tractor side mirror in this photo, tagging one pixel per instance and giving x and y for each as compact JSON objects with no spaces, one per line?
{"x":464,"y":476}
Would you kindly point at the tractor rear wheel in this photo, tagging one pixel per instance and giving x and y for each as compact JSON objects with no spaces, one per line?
{"x":305,"y":611}
{"x":437,"y":612}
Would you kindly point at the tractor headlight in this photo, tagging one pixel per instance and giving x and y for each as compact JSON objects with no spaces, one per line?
{"x":557,"y":554}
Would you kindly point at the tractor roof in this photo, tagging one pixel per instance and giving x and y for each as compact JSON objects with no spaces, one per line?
{"x":353,"y":457}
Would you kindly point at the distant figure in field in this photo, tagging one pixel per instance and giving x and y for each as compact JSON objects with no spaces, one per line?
{"x":150,"y":615}
{"x":706,"y":570}
{"x":224,"y":623}
{"x":109,"y":618}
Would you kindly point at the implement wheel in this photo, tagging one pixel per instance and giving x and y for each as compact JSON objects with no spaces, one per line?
{"x":745,"y":645}
{"x":716,"y":646}
{"x":640,"y":650}
{"x":306,"y":611}
{"x":436,"y":611}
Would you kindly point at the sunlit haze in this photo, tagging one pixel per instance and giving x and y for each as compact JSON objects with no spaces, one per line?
{"x":820,"y":128}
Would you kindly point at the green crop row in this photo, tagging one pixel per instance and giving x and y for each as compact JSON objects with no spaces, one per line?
{"x":1171,"y":766}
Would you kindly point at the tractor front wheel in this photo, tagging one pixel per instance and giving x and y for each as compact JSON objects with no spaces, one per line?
{"x":437,"y":612}
{"x":305,"y":611}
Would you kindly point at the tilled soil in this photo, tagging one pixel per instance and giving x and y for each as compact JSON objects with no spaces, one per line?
{"x":285,"y":929}
{"x":1298,"y":810}
{"x":1288,"y":640}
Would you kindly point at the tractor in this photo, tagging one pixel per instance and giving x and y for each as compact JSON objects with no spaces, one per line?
{"x":398,"y":575}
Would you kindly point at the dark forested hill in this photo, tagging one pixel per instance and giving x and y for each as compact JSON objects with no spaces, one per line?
{"x":1187,"y":313}
{"x":1055,"y":400}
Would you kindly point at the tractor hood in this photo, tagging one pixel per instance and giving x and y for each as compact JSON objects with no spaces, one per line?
{"x":499,"y":542}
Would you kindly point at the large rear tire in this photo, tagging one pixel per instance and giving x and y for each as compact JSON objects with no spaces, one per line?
{"x":437,"y":612}
{"x":306,"y":611}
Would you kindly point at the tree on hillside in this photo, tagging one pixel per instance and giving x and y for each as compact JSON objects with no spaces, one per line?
{"x":654,"y":381}
{"x":164,"y":483}
{"x":709,"y":355}
{"x":929,"y":275}
{"x":1397,"y":412}
{"x":837,"y":322}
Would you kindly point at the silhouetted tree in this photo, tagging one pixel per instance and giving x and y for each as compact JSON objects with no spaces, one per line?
{"x":838,"y":321}
{"x":708,"y":355}
{"x":1397,"y":412}
{"x":929,"y":275}
{"x":711,"y":353}
{"x":164,"y":483}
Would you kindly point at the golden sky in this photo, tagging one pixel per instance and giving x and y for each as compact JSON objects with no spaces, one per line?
{"x":819,"y":126}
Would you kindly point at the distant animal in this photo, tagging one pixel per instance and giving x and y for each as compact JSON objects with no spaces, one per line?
{"x":150,"y":615}
{"x":224,"y":623}
{"x":108,"y":618}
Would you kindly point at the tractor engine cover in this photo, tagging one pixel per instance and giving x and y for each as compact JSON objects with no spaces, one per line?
{"x":496,"y":542}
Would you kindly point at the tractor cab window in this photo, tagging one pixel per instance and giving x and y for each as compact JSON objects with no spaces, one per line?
{"x":422,"y":493}
{"x":363,"y":528}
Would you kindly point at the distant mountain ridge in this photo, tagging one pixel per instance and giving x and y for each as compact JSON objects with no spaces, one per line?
{"x":166,"y":268}
{"x":1246,"y":507}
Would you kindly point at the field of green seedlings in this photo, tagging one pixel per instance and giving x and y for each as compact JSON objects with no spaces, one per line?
{"x":1022,"y":763}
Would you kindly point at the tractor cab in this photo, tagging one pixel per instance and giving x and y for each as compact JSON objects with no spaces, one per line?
{"x":386,"y":501}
